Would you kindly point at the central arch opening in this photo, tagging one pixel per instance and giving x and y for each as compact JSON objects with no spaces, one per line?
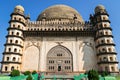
{"x":59,"y":59}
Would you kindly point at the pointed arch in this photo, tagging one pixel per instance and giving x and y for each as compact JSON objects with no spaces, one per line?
{"x":59,"y":58}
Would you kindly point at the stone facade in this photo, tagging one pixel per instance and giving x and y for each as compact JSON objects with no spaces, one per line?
{"x":60,"y":42}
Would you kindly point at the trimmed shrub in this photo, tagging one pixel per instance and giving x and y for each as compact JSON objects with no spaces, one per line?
{"x":104,"y":73}
{"x":34,"y":72}
{"x":29,"y":77}
{"x":15,"y":73}
{"x":27,"y":73}
{"x":93,"y":75}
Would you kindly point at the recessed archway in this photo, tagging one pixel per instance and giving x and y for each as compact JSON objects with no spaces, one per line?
{"x":59,"y":59}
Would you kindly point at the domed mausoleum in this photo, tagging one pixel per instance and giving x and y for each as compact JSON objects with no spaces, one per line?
{"x":60,"y":12}
{"x":59,"y":42}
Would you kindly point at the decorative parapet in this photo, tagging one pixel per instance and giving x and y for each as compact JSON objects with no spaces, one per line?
{"x":58,"y":25}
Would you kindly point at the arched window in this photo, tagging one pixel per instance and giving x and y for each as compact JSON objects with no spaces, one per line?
{"x":6,"y":68}
{"x":106,"y":33}
{"x":7,"y":58}
{"x":101,"y":33}
{"x":102,"y":41}
{"x":104,"y":18}
{"x":109,"y":49}
{"x":16,"y":41}
{"x":12,"y":33}
{"x":14,"y":59}
{"x":112,"y":68}
{"x":19,"y":26}
{"x":108,"y":41}
{"x":13,"y":25}
{"x":9,"y":49}
{"x":14,"y":18}
{"x":17,"y":33}
{"x":10,"y":41}
{"x":105,"y":25}
{"x":103,"y":49}
{"x":12,"y":68}
{"x":111,"y":58}
{"x":105,"y":59}
{"x":19,"y":19}
{"x":15,"y":50}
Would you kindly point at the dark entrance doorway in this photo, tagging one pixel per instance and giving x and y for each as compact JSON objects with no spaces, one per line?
{"x":59,"y":67}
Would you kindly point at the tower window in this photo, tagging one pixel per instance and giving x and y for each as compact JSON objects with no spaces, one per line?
{"x":18,"y":26}
{"x":9,"y":49}
{"x":19,"y":19}
{"x":109,"y":49}
{"x":7,"y":58}
{"x":105,"y":25}
{"x":103,"y":50}
{"x":112,"y":68}
{"x":12,"y":68}
{"x":108,"y":41}
{"x":102,"y":41}
{"x":106,"y":33}
{"x":104,"y":18}
{"x":10,"y":41}
{"x":13,"y":25}
{"x":16,"y":41}
{"x":105,"y":59}
{"x":101,"y":33}
{"x":111,"y":59}
{"x":15,"y":50}
{"x":14,"y":18}
{"x":6,"y":68}
{"x":14,"y":59}
{"x":18,"y":33}
{"x":12,"y":33}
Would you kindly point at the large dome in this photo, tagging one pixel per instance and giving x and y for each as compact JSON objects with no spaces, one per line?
{"x":60,"y":12}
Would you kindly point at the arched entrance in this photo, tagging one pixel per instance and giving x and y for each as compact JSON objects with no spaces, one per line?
{"x":59,"y":59}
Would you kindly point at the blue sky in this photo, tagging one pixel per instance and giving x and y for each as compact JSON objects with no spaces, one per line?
{"x":84,"y":7}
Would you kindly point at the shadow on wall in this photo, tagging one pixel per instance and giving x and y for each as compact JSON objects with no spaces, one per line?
{"x":89,"y":57}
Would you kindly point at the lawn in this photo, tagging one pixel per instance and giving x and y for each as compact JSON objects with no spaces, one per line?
{"x":118,"y":77}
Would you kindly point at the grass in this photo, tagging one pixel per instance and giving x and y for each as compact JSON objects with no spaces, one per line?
{"x":118,"y":77}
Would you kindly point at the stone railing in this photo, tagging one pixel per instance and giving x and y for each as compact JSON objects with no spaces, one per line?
{"x":57,"y":25}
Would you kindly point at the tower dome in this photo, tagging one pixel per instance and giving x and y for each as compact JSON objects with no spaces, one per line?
{"x":60,"y":12}
{"x":19,"y":9}
{"x":99,"y":8}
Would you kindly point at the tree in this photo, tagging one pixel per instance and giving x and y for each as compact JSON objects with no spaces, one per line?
{"x":34,"y":72}
{"x":93,"y":75}
{"x":27,"y":73}
{"x":29,"y":77}
{"x":104,"y":73}
{"x":15,"y":73}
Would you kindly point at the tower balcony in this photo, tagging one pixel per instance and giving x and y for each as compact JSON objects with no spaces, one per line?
{"x":13,"y":44}
{"x":105,"y":44}
{"x":108,"y":62}
{"x":106,"y":53}
{"x":14,"y":53}
{"x":101,"y":36}
{"x":15,"y":36}
{"x":18,"y":22}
